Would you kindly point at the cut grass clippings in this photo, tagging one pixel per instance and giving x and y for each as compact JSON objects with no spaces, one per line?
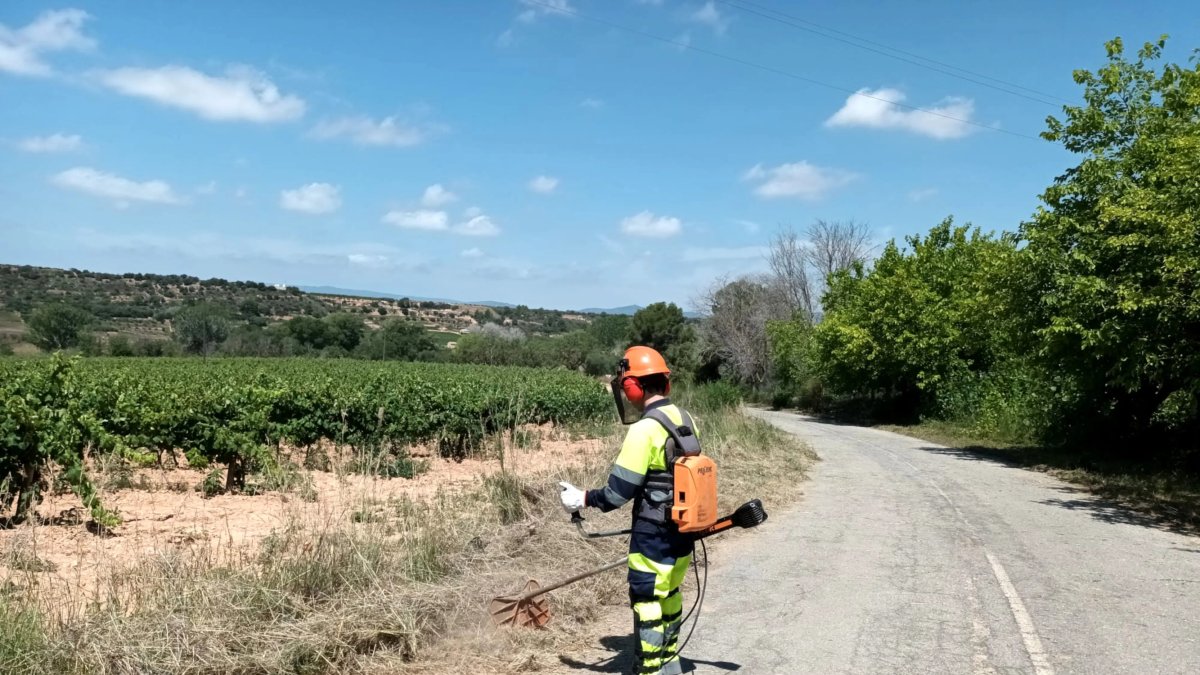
{"x":1171,"y":497}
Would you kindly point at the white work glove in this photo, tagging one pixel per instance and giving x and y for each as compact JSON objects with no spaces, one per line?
{"x":571,"y":496}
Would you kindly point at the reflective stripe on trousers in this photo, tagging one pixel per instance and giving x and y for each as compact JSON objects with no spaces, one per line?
{"x":657,"y":610}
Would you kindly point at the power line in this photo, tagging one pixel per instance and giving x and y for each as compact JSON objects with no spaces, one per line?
{"x":854,"y":40}
{"x":771,"y":69}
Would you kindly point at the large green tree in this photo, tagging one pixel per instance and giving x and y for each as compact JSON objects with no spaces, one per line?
{"x":310,"y":332}
{"x":920,"y":317}
{"x":344,"y":330}
{"x":660,"y":326}
{"x":399,"y":340}
{"x":610,"y":330}
{"x":58,"y":326}
{"x":199,"y":328}
{"x":1114,"y":254}
{"x":663,"y":327}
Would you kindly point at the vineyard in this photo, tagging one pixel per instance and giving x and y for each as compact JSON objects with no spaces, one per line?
{"x":238,"y":413}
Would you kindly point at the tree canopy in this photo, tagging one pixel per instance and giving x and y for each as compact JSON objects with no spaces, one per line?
{"x":58,"y":326}
{"x":199,"y":328}
{"x":1114,"y":253}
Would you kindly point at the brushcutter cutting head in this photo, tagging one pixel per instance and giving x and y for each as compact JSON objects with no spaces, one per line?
{"x":528,"y":610}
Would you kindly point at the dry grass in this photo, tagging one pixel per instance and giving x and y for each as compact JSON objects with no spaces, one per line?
{"x":395,"y":585}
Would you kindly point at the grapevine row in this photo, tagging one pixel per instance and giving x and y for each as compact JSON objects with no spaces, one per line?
{"x":235,"y":411}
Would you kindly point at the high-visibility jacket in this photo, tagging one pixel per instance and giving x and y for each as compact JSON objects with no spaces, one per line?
{"x":642,"y":452}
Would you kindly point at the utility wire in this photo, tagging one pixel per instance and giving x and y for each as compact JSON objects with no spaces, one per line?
{"x":899,"y":55}
{"x":770,"y":69}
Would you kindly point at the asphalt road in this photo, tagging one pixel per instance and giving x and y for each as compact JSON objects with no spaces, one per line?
{"x":907,"y":557}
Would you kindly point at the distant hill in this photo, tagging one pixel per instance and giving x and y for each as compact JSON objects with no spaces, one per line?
{"x":142,"y":305}
{"x":628,"y":310}
{"x":355,"y":293}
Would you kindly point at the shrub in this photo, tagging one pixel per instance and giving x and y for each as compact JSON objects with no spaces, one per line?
{"x":719,"y":395}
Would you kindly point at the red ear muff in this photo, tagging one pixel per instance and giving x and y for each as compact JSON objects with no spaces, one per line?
{"x":633,"y":390}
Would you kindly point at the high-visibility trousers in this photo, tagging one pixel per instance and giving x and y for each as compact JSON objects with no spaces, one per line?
{"x":657,"y":568}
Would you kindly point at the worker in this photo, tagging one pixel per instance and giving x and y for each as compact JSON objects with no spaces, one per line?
{"x":659,"y":554}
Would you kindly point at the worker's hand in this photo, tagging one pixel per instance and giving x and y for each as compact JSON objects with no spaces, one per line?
{"x":571,"y":496}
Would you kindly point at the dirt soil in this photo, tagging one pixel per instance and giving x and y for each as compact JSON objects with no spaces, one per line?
{"x":62,"y":558}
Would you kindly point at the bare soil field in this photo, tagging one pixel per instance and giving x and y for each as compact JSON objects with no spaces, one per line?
{"x":163,"y":511}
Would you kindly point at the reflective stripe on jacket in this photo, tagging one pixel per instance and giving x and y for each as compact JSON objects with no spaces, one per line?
{"x":642,"y":452}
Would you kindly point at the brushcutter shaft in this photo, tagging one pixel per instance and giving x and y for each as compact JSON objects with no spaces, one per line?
{"x":570,"y":580}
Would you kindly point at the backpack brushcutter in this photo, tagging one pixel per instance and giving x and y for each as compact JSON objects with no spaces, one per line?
{"x":683,"y":493}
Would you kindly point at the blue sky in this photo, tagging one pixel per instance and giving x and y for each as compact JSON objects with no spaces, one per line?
{"x":507,"y":151}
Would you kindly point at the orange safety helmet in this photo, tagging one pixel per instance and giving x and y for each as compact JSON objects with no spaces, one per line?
{"x":638,"y":362}
{"x":643,"y":361}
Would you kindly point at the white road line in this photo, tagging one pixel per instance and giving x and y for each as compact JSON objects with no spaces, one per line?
{"x":1029,"y":634}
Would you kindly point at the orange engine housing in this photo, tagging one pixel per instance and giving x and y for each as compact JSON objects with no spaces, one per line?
{"x":695,"y":493}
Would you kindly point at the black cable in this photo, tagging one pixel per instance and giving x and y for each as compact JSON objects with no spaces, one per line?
{"x":817,"y":29}
{"x":698,"y":606}
{"x":772,"y":69}
{"x":696,"y":602}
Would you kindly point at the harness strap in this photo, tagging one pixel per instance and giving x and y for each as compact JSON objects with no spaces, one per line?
{"x":658,"y":490}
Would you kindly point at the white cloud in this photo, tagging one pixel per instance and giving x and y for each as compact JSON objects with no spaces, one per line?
{"x":367,"y":259}
{"x":538,"y":8}
{"x":922,"y":194}
{"x":710,"y":16}
{"x":21,"y":50}
{"x":683,"y":41}
{"x":120,"y":190}
{"x":51,"y":143}
{"x":646,"y":224}
{"x":477,"y":226}
{"x":543,"y":185}
{"x":800,"y":179}
{"x":724,"y":253}
{"x":435,"y":195}
{"x":417,"y":220}
{"x":877,"y":109}
{"x":749,"y":225}
{"x":242,"y":94}
{"x":472,"y":253}
{"x":387,"y":132}
{"x":505,"y":39}
{"x":208,"y":188}
{"x":591,"y":103}
{"x":314,"y":199}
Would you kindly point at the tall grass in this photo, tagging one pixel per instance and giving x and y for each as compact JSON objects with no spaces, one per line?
{"x":22,"y":635}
